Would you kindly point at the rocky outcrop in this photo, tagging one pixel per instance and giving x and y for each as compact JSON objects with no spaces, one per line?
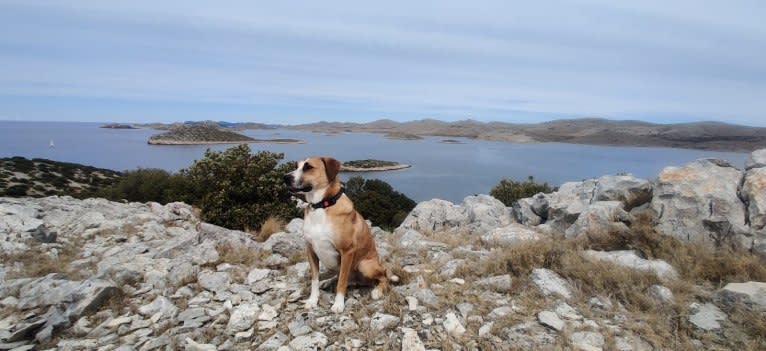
{"x":476,"y":214}
{"x":700,"y":201}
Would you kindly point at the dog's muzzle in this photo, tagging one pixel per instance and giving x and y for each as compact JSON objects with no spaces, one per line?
{"x":292,"y":187}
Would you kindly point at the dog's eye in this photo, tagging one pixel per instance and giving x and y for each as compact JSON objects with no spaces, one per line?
{"x":307,"y":166}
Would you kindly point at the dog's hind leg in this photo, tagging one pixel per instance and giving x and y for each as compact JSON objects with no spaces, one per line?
{"x":372,"y":269}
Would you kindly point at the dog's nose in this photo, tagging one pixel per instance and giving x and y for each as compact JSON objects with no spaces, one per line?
{"x":288,"y":178}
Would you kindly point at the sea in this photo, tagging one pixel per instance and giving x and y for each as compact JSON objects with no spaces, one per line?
{"x":439,"y":170}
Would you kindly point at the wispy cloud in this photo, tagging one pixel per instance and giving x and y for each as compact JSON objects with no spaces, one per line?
{"x":500,"y":60}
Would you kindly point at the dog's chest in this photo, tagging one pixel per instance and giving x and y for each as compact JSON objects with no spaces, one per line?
{"x":318,"y":232}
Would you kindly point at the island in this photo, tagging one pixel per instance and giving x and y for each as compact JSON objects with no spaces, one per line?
{"x":118,"y":126}
{"x":371,"y":166}
{"x":451,"y":141}
{"x":208,"y":133}
{"x":402,"y":136}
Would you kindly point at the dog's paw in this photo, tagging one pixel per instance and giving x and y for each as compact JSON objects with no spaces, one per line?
{"x":311,"y":304}
{"x":338,"y":307}
{"x":376,"y":294}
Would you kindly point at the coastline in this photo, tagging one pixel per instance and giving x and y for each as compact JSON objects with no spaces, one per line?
{"x":374,"y":169}
{"x":254,"y":141}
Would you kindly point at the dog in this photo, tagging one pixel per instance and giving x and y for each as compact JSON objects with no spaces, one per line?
{"x":335,"y":233}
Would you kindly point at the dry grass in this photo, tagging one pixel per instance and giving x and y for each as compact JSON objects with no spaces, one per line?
{"x":270,"y":226}
{"x":36,"y":263}
{"x":240,"y":255}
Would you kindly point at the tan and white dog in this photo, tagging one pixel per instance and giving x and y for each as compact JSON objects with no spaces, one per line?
{"x":335,"y":233}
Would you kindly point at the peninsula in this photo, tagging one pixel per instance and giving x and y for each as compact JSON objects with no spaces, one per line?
{"x":594,"y":131}
{"x":371,"y":166}
{"x":118,"y":126}
{"x":208,"y":133}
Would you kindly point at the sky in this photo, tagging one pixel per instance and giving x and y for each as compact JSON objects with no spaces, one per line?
{"x":293,"y":62}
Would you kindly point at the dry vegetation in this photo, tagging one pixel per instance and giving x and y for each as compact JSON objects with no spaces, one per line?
{"x":270,"y":226}
{"x":702,"y":270}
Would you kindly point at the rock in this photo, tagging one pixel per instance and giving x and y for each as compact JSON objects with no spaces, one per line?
{"x":486,"y":329}
{"x":274,"y":342}
{"x":749,"y":295}
{"x":629,"y":259}
{"x":627,"y":189}
{"x":486,"y":212}
{"x":706,"y":189}
{"x":531,"y":211}
{"x":660,"y":294}
{"x":753,"y":193}
{"x":511,"y":234}
{"x":160,"y":305}
{"x":299,"y":327}
{"x":435,"y":215}
{"x":550,"y":283}
{"x":452,"y":325}
{"x":757,"y":159}
{"x":706,"y":316}
{"x":565,"y":311}
{"x":285,"y":244}
{"x":566,"y":204}
{"x":500,"y":312}
{"x":603,"y":217}
{"x":380,"y":321}
{"x":78,"y":296}
{"x":587,"y":341}
{"x":268,"y":313}
{"x":213,"y":281}
{"x":413,"y":240}
{"x":412,"y":303}
{"x":313,"y":341}
{"x":631,"y":343}
{"x":295,"y":226}
{"x":191,"y":345}
{"x":411,"y":340}
{"x":242,"y":318}
{"x":256,"y":275}
{"x":550,"y":320}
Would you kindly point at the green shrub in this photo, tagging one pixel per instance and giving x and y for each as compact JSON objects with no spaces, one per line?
{"x":141,"y":185}
{"x":509,"y":191}
{"x":377,"y":201}
{"x":240,"y":190}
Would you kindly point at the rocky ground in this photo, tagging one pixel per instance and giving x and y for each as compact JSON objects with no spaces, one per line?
{"x":600,"y":264}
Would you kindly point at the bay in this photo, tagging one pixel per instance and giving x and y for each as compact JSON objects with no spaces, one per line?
{"x":439,"y":170}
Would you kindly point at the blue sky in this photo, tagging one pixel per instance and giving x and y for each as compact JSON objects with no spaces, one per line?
{"x":296,"y":62}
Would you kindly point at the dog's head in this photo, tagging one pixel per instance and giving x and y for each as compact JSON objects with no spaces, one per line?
{"x":313,"y":173}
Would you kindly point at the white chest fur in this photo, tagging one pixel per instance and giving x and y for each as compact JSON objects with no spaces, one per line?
{"x":318,"y":233}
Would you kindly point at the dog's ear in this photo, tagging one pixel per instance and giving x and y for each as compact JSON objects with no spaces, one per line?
{"x":331,"y":167}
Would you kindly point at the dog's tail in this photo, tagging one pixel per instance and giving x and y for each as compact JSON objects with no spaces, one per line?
{"x":391,"y":276}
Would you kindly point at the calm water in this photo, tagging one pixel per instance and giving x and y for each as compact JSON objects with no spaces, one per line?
{"x":447,"y":171}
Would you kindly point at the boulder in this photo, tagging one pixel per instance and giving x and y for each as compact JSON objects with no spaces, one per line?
{"x":627,"y":189}
{"x":602,"y":217}
{"x":757,"y":159}
{"x":550,"y":283}
{"x":749,"y":295}
{"x":566,"y":204}
{"x":452,"y":325}
{"x":587,"y":341}
{"x":753,"y":193}
{"x":511,"y":234}
{"x":380,"y":321}
{"x":629,"y":259}
{"x":706,"y":316}
{"x":699,"y":201}
{"x":285,"y":244}
{"x":531,"y":210}
{"x":550,"y":320}
{"x":435,"y":215}
{"x":313,"y":341}
{"x":485,"y":213}
{"x":500,"y":283}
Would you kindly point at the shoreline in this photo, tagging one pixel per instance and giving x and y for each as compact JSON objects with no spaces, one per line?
{"x":375,"y":169}
{"x":254,"y":141}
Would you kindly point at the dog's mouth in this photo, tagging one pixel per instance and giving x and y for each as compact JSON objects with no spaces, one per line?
{"x":296,"y":190}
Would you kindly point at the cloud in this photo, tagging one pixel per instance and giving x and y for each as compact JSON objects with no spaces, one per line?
{"x":492,"y":60}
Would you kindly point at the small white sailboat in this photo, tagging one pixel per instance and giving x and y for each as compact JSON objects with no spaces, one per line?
{"x":52,"y":145}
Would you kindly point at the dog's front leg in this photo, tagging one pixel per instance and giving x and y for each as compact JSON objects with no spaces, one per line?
{"x":340,"y":291}
{"x":314,"y":264}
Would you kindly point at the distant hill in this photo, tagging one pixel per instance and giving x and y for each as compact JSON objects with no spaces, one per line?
{"x":40,"y":177}
{"x":701,"y":135}
{"x":118,"y":126}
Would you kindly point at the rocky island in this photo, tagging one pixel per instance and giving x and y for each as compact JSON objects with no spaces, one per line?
{"x":208,"y":133}
{"x":118,"y":126}
{"x":41,"y":177}
{"x":610,"y":263}
{"x":402,"y":136}
{"x":371,"y":166}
